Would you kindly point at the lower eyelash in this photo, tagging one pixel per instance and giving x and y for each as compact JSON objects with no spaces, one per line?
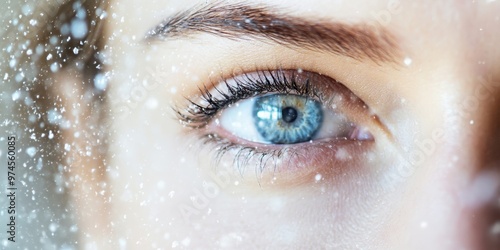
{"x":243,"y":155}
{"x":277,"y":159}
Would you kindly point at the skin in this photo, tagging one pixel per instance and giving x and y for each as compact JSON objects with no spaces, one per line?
{"x":365,"y":201}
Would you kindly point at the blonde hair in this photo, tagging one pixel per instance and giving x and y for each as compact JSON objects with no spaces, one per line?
{"x":40,"y":41}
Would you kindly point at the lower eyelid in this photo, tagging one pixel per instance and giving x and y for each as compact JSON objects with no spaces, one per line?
{"x":294,"y":165}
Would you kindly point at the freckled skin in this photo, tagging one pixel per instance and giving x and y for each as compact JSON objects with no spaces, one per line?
{"x":402,"y":190}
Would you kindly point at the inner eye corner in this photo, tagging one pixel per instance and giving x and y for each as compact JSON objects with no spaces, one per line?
{"x":383,"y":128}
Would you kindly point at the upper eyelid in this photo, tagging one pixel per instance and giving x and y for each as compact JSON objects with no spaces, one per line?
{"x":355,"y":41}
{"x":212,"y":103}
{"x":211,"y":100}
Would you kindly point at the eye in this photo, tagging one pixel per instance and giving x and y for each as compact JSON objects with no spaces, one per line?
{"x":286,"y":119}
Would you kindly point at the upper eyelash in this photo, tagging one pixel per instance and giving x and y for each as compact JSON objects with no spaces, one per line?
{"x":198,"y":115}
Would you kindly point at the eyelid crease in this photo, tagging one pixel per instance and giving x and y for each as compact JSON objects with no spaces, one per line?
{"x":237,"y":21}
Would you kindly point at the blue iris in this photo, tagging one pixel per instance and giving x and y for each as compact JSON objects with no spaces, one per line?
{"x":287,"y":119}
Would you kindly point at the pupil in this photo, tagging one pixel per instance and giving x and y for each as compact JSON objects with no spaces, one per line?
{"x":289,"y":114}
{"x":286,"y":119}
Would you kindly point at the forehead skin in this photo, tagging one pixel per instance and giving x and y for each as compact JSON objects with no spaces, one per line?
{"x":451,"y":45}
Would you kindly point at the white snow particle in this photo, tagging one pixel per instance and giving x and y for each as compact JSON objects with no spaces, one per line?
{"x":65,"y":29}
{"x":39,"y":164}
{"x":100,"y":82}
{"x":186,"y":241}
{"x":54,"y":67}
{"x":123,"y":243}
{"x":78,"y":28}
{"x":39,"y":49}
{"x":342,"y":154}
{"x":231,"y":240}
{"x":408,"y":61}
{"x":31,"y":151}
{"x":318,"y":177}
{"x":53,"y":227}
{"x":20,"y":77}
{"x":27,"y":10}
{"x":12,"y":63}
{"x":54,"y":117}
{"x":175,"y":244}
{"x":16,"y":95}
{"x":152,"y":103}
{"x":80,"y":14}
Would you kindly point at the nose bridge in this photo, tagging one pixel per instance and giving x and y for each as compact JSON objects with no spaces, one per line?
{"x":478,"y":67}
{"x":489,"y":172}
{"x":480,"y":114}
{"x":482,"y":105}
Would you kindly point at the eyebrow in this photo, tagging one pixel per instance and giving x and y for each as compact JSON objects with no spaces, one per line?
{"x":243,"y":21}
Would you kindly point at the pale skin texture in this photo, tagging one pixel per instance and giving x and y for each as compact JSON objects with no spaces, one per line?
{"x":156,"y":165}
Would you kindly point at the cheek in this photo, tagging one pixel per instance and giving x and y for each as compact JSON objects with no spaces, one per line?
{"x":150,"y":170}
{"x":164,"y":185}
{"x":294,"y":216}
{"x":443,"y":203}
{"x":331,"y":208}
